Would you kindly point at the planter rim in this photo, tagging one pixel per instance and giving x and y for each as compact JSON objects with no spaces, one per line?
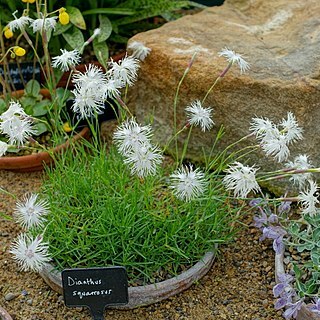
{"x":4,"y":315}
{"x":304,"y":313}
{"x":35,"y":162}
{"x":149,"y":294}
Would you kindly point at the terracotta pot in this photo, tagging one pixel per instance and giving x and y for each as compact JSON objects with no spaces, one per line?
{"x":4,"y":315}
{"x":304,"y":313}
{"x":36,"y":161}
{"x":149,"y":294}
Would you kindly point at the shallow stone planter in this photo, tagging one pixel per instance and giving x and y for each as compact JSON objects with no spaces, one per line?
{"x":304,"y":313}
{"x":4,"y":315}
{"x":149,"y":294}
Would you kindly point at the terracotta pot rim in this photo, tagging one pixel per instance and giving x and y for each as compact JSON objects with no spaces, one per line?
{"x":148,"y":294}
{"x":37,"y":160}
{"x":304,"y":313}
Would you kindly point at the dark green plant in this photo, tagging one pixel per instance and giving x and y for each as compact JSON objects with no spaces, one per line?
{"x":118,"y":21}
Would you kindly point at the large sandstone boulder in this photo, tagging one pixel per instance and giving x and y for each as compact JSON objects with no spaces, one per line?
{"x":281,"y":41}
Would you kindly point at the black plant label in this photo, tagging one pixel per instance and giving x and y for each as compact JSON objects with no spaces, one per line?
{"x":95,"y":288}
{"x":18,"y":74}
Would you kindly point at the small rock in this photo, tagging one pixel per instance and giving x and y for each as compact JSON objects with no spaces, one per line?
{"x":268,"y":269}
{"x":29,"y":302}
{"x":10,"y":296}
{"x":24,"y":293}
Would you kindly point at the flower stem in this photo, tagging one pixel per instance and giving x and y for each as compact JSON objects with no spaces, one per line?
{"x":175,"y":102}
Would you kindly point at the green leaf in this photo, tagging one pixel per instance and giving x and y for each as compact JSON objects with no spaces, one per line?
{"x":32,"y":88}
{"x":297,"y":271}
{"x":101,"y":51}
{"x":74,"y":37}
{"x":105,"y":27}
{"x":118,"y":11}
{"x":60,"y":28}
{"x":6,"y":216}
{"x":76,"y":17}
{"x":13,"y":149}
{"x":3,"y":106}
{"x":41,"y":108}
{"x":305,"y":246}
{"x":27,"y":103}
{"x":62,"y":95}
{"x":40,"y":128}
{"x":316,"y":234}
{"x":301,"y":286}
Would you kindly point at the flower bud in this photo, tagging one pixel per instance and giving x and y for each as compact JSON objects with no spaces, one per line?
{"x":8,"y":33}
{"x":64,"y":17}
{"x":66,"y":127}
{"x":19,"y":51}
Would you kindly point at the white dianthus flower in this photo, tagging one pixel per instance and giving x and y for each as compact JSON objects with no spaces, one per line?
{"x":18,"y":130}
{"x":291,"y":129}
{"x":16,"y":124}
{"x":30,"y":254}
{"x":187,"y":183}
{"x":30,"y":211}
{"x":301,"y":162}
{"x":199,"y":116}
{"x":309,"y":199}
{"x":67,"y":59}
{"x":274,"y":139}
{"x":3,"y":148}
{"x":233,"y":57}
{"x":93,"y":76}
{"x":144,"y":161}
{"x":112,"y":89}
{"x":139,"y":50}
{"x":130,"y":136}
{"x":90,"y":91}
{"x":88,"y":101}
{"x":275,"y":144}
{"x":19,"y":23}
{"x":44,"y":24}
{"x":261,"y":127}
{"x":125,"y":71}
{"x":241,"y":179}
{"x":14,"y":109}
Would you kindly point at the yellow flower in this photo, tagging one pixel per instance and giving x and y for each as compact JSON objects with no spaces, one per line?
{"x":31,"y":1}
{"x":24,"y":1}
{"x":66,"y":127}
{"x":19,"y":51}
{"x":8,"y":33}
{"x":64,"y":18}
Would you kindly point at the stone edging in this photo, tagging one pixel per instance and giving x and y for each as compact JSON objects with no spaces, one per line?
{"x":4,"y":315}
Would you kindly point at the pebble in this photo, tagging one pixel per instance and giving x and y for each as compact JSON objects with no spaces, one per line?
{"x":268,"y":268}
{"x":10,"y":296}
{"x":29,"y":302}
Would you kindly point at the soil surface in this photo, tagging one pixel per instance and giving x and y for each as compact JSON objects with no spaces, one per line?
{"x":239,"y":285}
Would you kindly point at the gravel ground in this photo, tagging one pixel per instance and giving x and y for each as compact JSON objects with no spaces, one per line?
{"x":239,"y":285}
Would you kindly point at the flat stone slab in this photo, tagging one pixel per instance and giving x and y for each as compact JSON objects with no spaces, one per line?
{"x":281,"y":41}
